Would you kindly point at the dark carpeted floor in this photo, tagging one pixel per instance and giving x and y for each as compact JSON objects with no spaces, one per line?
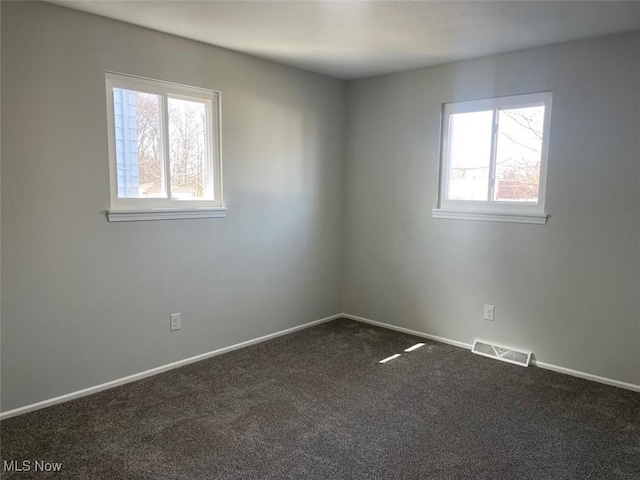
{"x":317,"y":405}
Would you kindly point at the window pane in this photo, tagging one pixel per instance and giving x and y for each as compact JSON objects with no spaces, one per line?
{"x":519,"y":153}
{"x":138,"y":152}
{"x":469,"y":155}
{"x":188,"y":150}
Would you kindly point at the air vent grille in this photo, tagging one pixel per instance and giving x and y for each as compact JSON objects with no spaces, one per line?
{"x":505,"y":354}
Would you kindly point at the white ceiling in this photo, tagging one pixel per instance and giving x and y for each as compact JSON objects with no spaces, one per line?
{"x":355,"y":39}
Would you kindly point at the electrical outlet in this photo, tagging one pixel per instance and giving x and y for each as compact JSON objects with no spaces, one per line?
{"x":489,"y":312}
{"x":175,"y":322}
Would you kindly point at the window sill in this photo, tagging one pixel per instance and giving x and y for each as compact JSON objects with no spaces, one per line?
{"x":165,"y":214}
{"x":534,"y":218}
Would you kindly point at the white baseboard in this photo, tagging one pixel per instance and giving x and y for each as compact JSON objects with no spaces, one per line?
{"x":170,"y":366}
{"x":587,"y":376}
{"x":544,"y":365}
{"x":154,"y":371}
{"x":409,"y":331}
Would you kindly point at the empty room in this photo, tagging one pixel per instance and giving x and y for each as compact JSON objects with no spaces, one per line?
{"x":320,"y":240}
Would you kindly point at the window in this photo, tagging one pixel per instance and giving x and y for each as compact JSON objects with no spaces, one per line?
{"x":494,"y":159}
{"x":164,"y":150}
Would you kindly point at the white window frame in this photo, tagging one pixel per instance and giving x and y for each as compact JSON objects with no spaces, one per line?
{"x":490,"y":210}
{"x":131,"y":209}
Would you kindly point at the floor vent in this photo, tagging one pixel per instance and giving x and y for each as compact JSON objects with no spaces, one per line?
{"x":506,"y":354}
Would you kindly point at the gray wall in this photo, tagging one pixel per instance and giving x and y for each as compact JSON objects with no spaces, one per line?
{"x":0,"y":204}
{"x":85,"y":301}
{"x":568,"y":290}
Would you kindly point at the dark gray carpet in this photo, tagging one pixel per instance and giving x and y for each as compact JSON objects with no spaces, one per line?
{"x":317,"y":405}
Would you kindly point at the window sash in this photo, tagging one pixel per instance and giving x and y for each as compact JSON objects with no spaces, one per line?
{"x":495,"y":105}
{"x":213,"y":168}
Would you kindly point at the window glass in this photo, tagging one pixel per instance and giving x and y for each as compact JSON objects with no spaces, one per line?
{"x":470,"y":156}
{"x":519,"y":154}
{"x":138,"y":143}
{"x":188,"y":149}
